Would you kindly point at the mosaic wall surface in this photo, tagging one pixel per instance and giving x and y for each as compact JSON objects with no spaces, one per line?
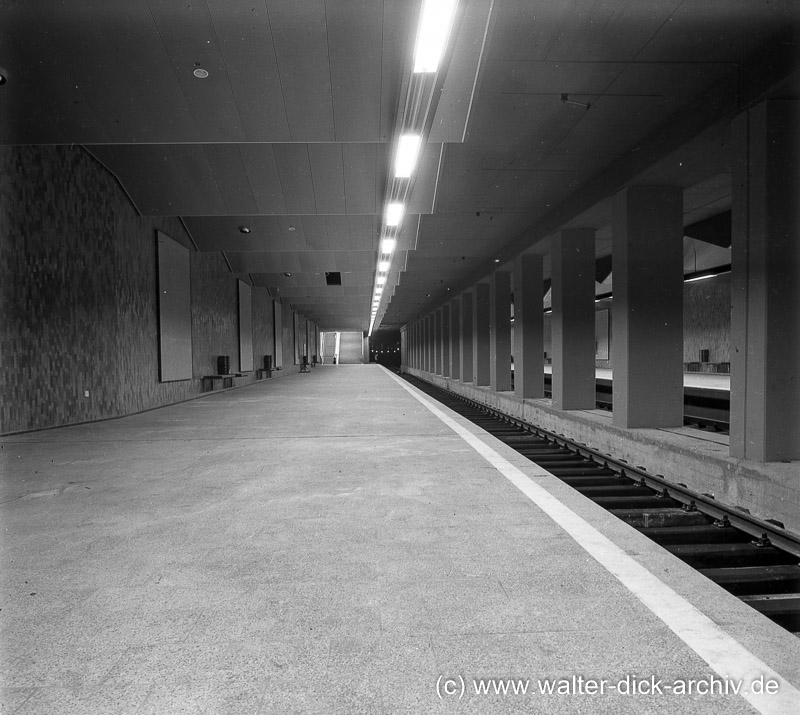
{"x":706,"y":322}
{"x":79,"y":301}
{"x":707,"y":319}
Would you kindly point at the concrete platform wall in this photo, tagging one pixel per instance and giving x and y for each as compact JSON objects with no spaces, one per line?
{"x":79,"y":299}
{"x":686,"y":455}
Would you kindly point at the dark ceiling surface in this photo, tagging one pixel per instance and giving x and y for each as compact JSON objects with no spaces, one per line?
{"x":291,"y":133}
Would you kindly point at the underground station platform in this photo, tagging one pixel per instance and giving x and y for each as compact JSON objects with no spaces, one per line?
{"x":341,"y":542}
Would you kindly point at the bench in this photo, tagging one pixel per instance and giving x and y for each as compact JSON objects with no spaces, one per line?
{"x":224,"y":381}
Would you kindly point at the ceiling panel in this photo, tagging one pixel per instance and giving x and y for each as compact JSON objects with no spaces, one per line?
{"x":61,"y":109}
{"x":263,"y":177}
{"x":315,"y":229}
{"x":338,"y":229}
{"x":427,"y":176}
{"x":361,"y":172}
{"x":363,"y":234}
{"x":327,"y":175}
{"x":300,"y":36}
{"x":510,"y":76}
{"x":582,"y":30}
{"x":188,"y":35}
{"x":72,"y":25}
{"x":150,"y":176}
{"x":245,"y":38}
{"x":294,"y":168}
{"x":744,"y":25}
{"x":355,"y":76}
{"x":192,"y":163}
{"x":232,"y":179}
{"x":285,"y":261}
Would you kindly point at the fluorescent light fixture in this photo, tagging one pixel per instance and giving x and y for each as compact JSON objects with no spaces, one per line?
{"x":700,"y":278}
{"x":407,"y":151}
{"x":394,"y":212}
{"x":708,"y":273}
{"x":432,"y":34}
{"x":383,"y":266}
{"x":381,"y":280}
{"x":388,"y":245}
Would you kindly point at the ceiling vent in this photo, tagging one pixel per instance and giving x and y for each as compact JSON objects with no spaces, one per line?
{"x":334,"y":278}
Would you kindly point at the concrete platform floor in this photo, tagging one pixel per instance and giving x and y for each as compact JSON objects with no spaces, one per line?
{"x":325,"y":543}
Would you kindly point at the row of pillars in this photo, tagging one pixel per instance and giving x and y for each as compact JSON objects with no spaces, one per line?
{"x":469,"y":338}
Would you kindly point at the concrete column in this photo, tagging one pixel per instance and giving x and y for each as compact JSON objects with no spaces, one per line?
{"x":437,"y":341}
{"x":432,"y":343}
{"x":573,"y":319}
{"x":528,"y":327}
{"x":466,"y":348}
{"x":421,"y":343}
{"x":647,"y":325}
{"x":429,"y":343}
{"x":500,"y":331}
{"x":765,"y":284}
{"x":480,"y":335}
{"x":455,"y":351}
{"x":445,"y":340}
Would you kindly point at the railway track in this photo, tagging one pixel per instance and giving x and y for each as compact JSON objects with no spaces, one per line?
{"x":756,"y":560}
{"x":702,"y":408}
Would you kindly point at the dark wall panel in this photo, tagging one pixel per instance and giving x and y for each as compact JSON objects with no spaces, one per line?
{"x":245,"y":327}
{"x":174,"y":310}
{"x":263,"y":335}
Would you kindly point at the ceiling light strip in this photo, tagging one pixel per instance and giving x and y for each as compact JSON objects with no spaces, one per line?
{"x":434,"y":29}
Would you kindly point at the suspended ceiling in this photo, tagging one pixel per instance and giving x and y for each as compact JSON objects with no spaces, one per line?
{"x":290,"y":134}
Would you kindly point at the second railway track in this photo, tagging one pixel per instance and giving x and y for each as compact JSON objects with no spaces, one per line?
{"x":756,"y":560}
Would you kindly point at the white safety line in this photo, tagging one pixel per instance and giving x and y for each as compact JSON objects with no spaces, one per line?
{"x":726,"y":656}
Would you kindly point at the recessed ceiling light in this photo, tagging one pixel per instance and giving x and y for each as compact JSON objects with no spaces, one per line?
{"x":406,"y":159}
{"x":3,"y":77}
{"x":383,"y":266}
{"x":497,"y":260}
{"x":288,"y":275}
{"x":388,"y":245}
{"x":381,"y":280}
{"x":434,"y":29}
{"x":292,"y":228}
{"x":200,"y":73}
{"x":394,"y":212}
{"x":244,"y":229}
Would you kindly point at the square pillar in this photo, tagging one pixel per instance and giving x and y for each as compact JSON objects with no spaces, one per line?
{"x":445,"y":310}
{"x":500,"y":331}
{"x":528,"y":327}
{"x":465,"y":345}
{"x":765,"y":284}
{"x":437,"y":341}
{"x":429,"y":343}
{"x":647,"y":325}
{"x":480,"y":335}
{"x":455,"y":342}
{"x":573,"y":259}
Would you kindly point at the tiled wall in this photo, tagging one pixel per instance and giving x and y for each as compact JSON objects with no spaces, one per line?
{"x":78,"y":296}
{"x":707,"y":319}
